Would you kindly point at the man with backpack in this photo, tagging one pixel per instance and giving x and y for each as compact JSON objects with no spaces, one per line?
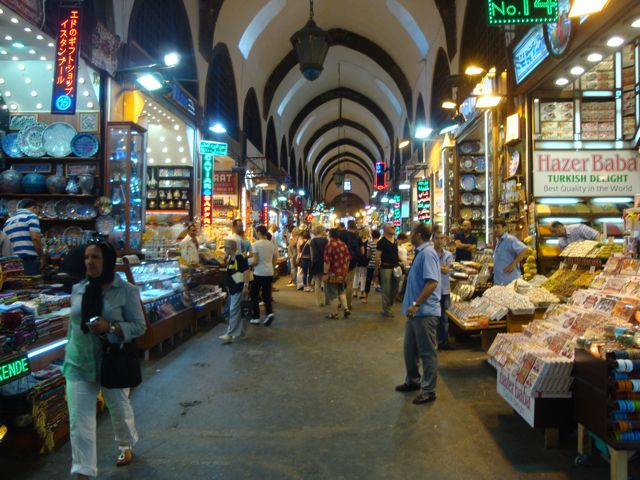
{"x":352,"y":239}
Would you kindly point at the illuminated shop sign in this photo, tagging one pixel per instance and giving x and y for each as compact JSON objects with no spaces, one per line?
{"x":346,"y":185}
{"x":381,"y":175}
{"x":529,"y":53}
{"x":207,"y":190}
{"x":424,"y":201}
{"x":504,"y":12}
{"x":65,"y":72}
{"x":397,"y":212}
{"x":265,"y":213}
{"x":13,"y":368}
{"x":208,"y":147}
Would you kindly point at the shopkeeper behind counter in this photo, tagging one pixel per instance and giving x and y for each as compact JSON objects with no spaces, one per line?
{"x":189,"y":246}
{"x":573,"y":233}
{"x":465,"y":242}
{"x":507,"y":254}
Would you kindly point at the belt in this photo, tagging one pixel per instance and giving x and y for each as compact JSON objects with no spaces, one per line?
{"x":388,"y":265}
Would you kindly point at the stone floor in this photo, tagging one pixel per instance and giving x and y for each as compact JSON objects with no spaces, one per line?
{"x":310,"y":398}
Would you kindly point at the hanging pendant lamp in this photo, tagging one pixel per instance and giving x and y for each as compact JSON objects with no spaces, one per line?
{"x":311,"y":45}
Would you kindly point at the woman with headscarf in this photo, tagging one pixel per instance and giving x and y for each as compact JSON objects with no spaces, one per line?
{"x":104,"y":308}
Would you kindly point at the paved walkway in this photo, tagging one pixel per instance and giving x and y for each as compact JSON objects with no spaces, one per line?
{"x":310,"y":398}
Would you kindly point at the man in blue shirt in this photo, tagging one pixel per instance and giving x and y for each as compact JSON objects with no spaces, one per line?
{"x":507,"y":254}
{"x":23,"y":231}
{"x":573,"y":233}
{"x":421,"y":305}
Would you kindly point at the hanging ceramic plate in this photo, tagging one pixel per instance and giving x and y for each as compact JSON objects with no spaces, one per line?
{"x":104,"y":225}
{"x":468,"y":182}
{"x":61,"y":208}
{"x":477,"y":199}
{"x":86,"y":212}
{"x":514,"y":163}
{"x":103,"y":205}
{"x":470,"y":147}
{"x":12,"y":206}
{"x":476,"y":214}
{"x":49,"y":209}
{"x":30,"y":140}
{"x":75,"y":233}
{"x":480,"y":164}
{"x":467,"y":198}
{"x":480,"y":184}
{"x":84,"y":145}
{"x":10,"y":145}
{"x":467,"y":164}
{"x":57,"y":139}
{"x":466,"y":213}
{"x":72,"y":210}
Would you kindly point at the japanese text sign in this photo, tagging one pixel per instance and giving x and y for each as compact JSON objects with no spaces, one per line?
{"x":65,"y":69}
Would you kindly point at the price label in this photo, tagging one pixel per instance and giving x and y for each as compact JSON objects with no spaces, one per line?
{"x":575,"y":267}
{"x":592,"y":269}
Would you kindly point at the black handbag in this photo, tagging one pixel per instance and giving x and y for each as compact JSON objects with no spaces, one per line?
{"x":120,"y":365}
{"x":245,"y":309}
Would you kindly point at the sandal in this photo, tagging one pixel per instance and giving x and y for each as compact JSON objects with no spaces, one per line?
{"x":125,"y":457}
{"x":332,"y":316}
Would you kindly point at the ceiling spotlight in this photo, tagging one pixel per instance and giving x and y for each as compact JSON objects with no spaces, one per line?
{"x":176,"y":127}
{"x":32,"y":52}
{"x":17,"y":45}
{"x":594,"y":57}
{"x":636,"y":23}
{"x":472,"y":70}
{"x":34,"y":93}
{"x":14,"y":58}
{"x":7,"y":93}
{"x":50,"y":44}
{"x":39,"y":106}
{"x":577,"y":70}
{"x":615,"y":41}
{"x":178,"y":138}
{"x":81,"y":80}
{"x":1,"y":81}
{"x":49,"y":66}
{"x":171,"y":59}
{"x":151,"y":160}
{"x":13,"y":106}
{"x":8,"y":37}
{"x":218,"y":128}
{"x":449,"y":105}
{"x":561,"y":82}
{"x":43,"y":58}
{"x":86,"y":93}
{"x":21,"y":67}
{"x":14,"y":20}
{"x":27,"y":29}
{"x":183,"y":159}
{"x":162,"y":139}
{"x":404,"y":143}
{"x":150,"y":81}
{"x":148,"y":150}
{"x":181,"y":149}
{"x":27,"y":81}
{"x":165,"y":149}
{"x":3,"y":52}
{"x":89,"y":104}
{"x":39,"y":37}
{"x":423,"y":132}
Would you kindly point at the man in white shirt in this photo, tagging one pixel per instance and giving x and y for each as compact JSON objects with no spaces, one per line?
{"x":238,"y":235}
{"x":189,"y":246}
{"x":264,"y":255}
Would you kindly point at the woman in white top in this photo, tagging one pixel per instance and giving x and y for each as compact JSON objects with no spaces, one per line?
{"x":189,"y":246}
{"x":263,"y":259}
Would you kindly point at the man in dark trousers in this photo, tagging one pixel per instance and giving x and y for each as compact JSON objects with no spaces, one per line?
{"x":351,"y":238}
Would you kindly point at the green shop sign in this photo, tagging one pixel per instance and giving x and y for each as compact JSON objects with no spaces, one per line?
{"x":505,"y":12}
{"x":207,"y":147}
{"x":13,"y":368}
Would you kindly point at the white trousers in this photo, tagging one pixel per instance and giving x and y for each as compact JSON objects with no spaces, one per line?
{"x":81,"y":399}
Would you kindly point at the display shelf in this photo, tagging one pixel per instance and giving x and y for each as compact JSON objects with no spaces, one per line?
{"x":79,"y":220}
{"x":45,"y":195}
{"x":51,"y":159}
{"x":167,"y":211}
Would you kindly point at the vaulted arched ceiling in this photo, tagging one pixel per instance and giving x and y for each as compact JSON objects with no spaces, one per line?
{"x":378,"y":69}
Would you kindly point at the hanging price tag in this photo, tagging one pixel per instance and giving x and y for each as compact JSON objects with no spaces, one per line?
{"x":575,"y":267}
{"x":592,"y":269}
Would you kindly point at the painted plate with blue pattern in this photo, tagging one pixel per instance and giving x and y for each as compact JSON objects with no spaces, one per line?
{"x":10,"y":145}
{"x":84,"y":145}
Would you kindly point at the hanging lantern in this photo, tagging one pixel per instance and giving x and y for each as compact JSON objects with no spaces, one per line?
{"x":311,"y":44}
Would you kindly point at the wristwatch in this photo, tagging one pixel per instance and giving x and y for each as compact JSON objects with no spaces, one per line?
{"x":415,"y":304}
{"x":112,"y":328}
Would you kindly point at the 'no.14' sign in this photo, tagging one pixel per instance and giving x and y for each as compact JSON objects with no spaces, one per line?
{"x":504,"y":12}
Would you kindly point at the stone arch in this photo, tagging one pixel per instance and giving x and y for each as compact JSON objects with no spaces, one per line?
{"x":348,"y":157}
{"x":271,"y":143}
{"x":208,"y":11}
{"x":440,"y":88}
{"x":221,"y":98}
{"x":447,"y":10}
{"x":340,"y":143}
{"x":251,"y":121}
{"x":160,"y":26}
{"x":344,"y":122}
{"x":283,"y":153}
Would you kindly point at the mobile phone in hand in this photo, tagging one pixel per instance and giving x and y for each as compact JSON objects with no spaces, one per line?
{"x":93,"y":320}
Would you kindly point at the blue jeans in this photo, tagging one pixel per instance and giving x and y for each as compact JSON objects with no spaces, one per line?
{"x":236,"y":323}
{"x":420,"y":343}
{"x":31,"y":265}
{"x":443,"y":325}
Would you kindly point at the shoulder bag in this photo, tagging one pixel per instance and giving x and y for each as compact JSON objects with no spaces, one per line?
{"x":120,"y":365}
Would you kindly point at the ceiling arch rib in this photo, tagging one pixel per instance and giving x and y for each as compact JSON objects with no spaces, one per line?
{"x":340,"y":158}
{"x":345,"y":38}
{"x":344,"y":122}
{"x":341,"y":92}
{"x":347,"y":169}
{"x":339,"y":143}
{"x":358,"y":197}
{"x":346,"y":133}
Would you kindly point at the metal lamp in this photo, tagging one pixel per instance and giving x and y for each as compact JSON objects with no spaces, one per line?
{"x":311,"y":45}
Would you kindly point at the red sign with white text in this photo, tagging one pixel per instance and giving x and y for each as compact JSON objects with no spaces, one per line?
{"x":65,"y":71}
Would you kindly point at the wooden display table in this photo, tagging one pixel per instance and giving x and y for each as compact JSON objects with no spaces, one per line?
{"x":516,"y":323}
{"x":210,"y":312}
{"x":487,"y":332}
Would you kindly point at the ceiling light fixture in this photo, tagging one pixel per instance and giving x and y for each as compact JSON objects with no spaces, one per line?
{"x":423,"y":132}
{"x":473,"y":71}
{"x":34,"y":93}
{"x":8,"y":38}
{"x":488,"y":101}
{"x":89,"y":104}
{"x":311,"y":45}
{"x":561,"y":82}
{"x":17,"y":45}
{"x":218,"y":128}
{"x":27,"y":80}
{"x":636,"y":23}
{"x":171,"y":59}
{"x":404,"y":143}
{"x":586,"y":7}
{"x":577,"y":70}
{"x":449,"y":105}
{"x":39,"y":37}
{"x":150,"y":81}
{"x":594,"y":57}
{"x":39,"y":106}
{"x":615,"y":41}
{"x":14,"y":20}
{"x":27,"y":29}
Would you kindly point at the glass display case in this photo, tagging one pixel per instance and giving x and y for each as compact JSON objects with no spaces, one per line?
{"x":162,"y":290}
{"x":125,"y":171}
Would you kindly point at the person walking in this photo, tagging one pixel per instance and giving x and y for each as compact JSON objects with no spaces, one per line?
{"x":264,"y":256}
{"x":23,"y":231}
{"x":421,"y":305}
{"x":304,"y":259}
{"x":102,"y":305}
{"x":318,"y":244}
{"x":351,"y":238}
{"x":292,"y":249}
{"x":372,"y":269}
{"x":237,"y":278}
{"x":507,"y":255}
{"x":360,"y":277}
{"x":387,"y":263}
{"x":446,"y":260}
{"x":336,"y":269}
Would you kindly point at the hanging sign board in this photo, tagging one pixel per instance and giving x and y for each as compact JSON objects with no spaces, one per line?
{"x":381,"y":175}
{"x":424,"y":201}
{"x":207,"y":190}
{"x":225,"y":183}
{"x":346,"y":185}
{"x":512,"y":133}
{"x":595,"y":173}
{"x":515,"y":395}
{"x":505,"y":12}
{"x":529,"y":53}
{"x":212,"y":148}
{"x":14,"y":367}
{"x":397,"y":212}
{"x":65,"y":70}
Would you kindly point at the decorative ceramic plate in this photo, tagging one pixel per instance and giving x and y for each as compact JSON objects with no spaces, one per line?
{"x":57,"y":139}
{"x":61,"y":208}
{"x":470,"y":147}
{"x":12,"y":206}
{"x":480,"y":164}
{"x":49,"y":209}
{"x":72,"y":209}
{"x":466,"y":213}
{"x":103,"y":206}
{"x":467,"y":164}
{"x":86,"y":212}
{"x":481,"y":183}
{"x":30,"y":140}
{"x":468,"y":182}
{"x":73,"y":233}
{"x":476,"y":214}
{"x":104,"y":225}
{"x":84,"y":145}
{"x":467,"y":198}
{"x":514,"y":163}
{"x":477,"y":199}
{"x":10,"y":145}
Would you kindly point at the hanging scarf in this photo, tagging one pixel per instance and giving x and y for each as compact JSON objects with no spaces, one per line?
{"x":92,"y":298}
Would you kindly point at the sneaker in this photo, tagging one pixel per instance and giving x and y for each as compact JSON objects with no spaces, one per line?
{"x":269,"y":319}
{"x":255,"y":321}
{"x":291,"y":284}
{"x":125,"y":456}
{"x":226,"y":338}
{"x":407,"y":387}
{"x":424,"y":398}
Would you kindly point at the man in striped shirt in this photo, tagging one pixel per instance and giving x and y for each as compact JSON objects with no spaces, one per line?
{"x":23,"y":230}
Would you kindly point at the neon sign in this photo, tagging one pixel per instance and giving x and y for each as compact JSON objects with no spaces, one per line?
{"x":213,"y":148}
{"x":13,"y":368}
{"x":504,"y":12}
{"x":397,"y":212}
{"x":346,"y":185}
{"x":265,"y":213}
{"x":65,"y":73}
{"x":207,"y":190}
{"x":381,"y":175}
{"x":424,"y":201}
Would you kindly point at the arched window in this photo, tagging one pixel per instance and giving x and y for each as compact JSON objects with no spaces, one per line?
{"x":284,"y":161}
{"x":221,"y":99}
{"x":271,"y":144}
